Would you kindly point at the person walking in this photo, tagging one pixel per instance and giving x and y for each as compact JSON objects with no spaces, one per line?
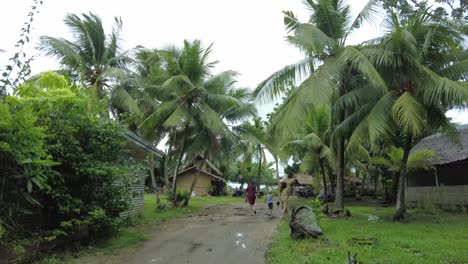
{"x":283,"y":197}
{"x":269,"y":200}
{"x":251,"y":196}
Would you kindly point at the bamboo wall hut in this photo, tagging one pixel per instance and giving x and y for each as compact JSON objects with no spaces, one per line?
{"x":448,"y":183}
{"x":209,"y":177}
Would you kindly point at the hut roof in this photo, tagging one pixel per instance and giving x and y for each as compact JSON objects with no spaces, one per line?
{"x":199,"y":157}
{"x":447,"y":150}
{"x":301,"y":178}
{"x":205,"y":172}
{"x":140,"y":148}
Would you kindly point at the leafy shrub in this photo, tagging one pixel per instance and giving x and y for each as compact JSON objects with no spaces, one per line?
{"x":180,"y":196}
{"x":317,"y":205}
{"x":64,"y":166}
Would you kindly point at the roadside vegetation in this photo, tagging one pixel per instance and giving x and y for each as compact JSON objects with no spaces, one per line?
{"x":345,"y":112}
{"x":135,"y":231}
{"x":430,"y":236}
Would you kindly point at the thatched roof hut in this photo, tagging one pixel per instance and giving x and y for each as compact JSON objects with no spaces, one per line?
{"x":447,"y":150}
{"x":448,"y":183}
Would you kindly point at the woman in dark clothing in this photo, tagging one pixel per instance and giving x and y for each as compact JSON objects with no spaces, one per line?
{"x":251,"y":196}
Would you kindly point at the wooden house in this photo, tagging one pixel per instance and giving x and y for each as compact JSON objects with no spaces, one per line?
{"x":209,"y":177}
{"x":448,"y":183}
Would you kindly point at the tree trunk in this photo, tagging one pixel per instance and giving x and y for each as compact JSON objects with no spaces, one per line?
{"x":153,"y":180}
{"x":277,"y":171}
{"x":168,"y":158}
{"x":394,"y":190}
{"x":194,"y":182}
{"x":324,"y":178}
{"x":259,"y":168}
{"x":400,"y":204}
{"x":176,"y":171}
{"x":166,"y":165}
{"x":376,"y":184}
{"x":364,"y":177}
{"x":332,"y":179}
{"x":339,"y":207}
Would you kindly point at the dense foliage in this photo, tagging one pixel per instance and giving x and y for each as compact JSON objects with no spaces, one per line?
{"x":62,"y":166}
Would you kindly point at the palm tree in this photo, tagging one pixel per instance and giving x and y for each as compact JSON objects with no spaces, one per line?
{"x":327,"y":68}
{"x":314,"y":137}
{"x":92,"y":55}
{"x":254,"y":136}
{"x":422,"y":62}
{"x":192,"y":100}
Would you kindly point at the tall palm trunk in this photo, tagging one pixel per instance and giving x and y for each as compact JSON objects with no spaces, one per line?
{"x":153,"y":180}
{"x":176,"y":171}
{"x":364,"y":177}
{"x":339,"y":207}
{"x":166,"y":163}
{"x":277,"y":171}
{"x":332,"y":178}
{"x":194,"y":182}
{"x":324,"y":178}
{"x":394,"y":188}
{"x":400,"y":204}
{"x":168,"y":157}
{"x":259,"y":167}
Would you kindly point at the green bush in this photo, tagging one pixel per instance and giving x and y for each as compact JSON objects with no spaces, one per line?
{"x":180,"y":196}
{"x":64,"y":165}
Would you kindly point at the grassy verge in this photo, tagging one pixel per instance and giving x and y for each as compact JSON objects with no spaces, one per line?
{"x":437,"y":237}
{"x":128,"y":238}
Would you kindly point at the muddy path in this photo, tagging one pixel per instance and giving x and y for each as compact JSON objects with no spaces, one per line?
{"x":215,"y":234}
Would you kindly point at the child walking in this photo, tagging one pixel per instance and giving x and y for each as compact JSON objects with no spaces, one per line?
{"x":269,"y":200}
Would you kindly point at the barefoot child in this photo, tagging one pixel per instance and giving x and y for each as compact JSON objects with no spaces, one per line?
{"x":269,"y":200}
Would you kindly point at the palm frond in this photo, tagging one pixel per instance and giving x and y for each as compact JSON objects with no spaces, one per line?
{"x":409,"y":114}
{"x":352,"y":56}
{"x":422,"y":159}
{"x":279,"y":82}
{"x":370,"y":12}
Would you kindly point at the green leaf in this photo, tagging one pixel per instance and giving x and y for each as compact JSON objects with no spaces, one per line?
{"x":29,"y":186}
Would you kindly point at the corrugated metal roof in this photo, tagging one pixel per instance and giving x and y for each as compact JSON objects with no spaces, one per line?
{"x":142,"y":144}
{"x":447,"y":150}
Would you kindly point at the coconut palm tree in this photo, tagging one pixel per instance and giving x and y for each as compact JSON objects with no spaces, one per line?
{"x":425,"y":67}
{"x":314,"y":138}
{"x":327,"y":68}
{"x":255,"y":138}
{"x":92,"y":55}
{"x":192,"y":100}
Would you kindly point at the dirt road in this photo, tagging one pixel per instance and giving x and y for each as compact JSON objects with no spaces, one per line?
{"x":216,"y":234}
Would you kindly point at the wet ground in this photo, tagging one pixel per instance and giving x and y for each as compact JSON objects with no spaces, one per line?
{"x":216,"y":234}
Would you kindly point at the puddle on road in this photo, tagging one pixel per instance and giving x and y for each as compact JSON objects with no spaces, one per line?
{"x":240,"y":242}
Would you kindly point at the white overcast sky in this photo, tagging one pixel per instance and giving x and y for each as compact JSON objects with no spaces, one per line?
{"x":248,"y":35}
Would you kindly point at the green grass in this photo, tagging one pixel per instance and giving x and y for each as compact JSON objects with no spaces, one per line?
{"x":437,"y":237}
{"x":129,"y":237}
